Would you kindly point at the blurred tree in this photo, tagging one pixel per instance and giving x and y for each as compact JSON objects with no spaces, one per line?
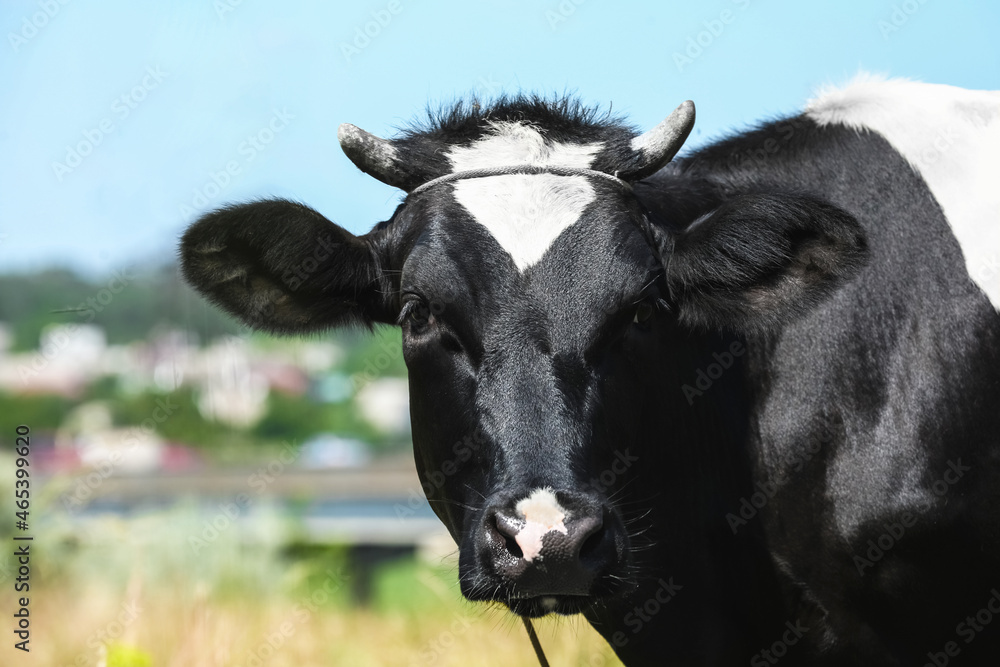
{"x":41,"y":413}
{"x":379,"y":353}
{"x":174,"y":415}
{"x":127,"y":308}
{"x":297,"y":419}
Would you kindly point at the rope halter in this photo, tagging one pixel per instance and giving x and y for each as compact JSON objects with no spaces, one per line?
{"x":518,"y":169}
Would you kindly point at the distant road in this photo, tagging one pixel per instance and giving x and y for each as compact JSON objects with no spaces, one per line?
{"x":375,"y":482}
{"x":382,"y":504}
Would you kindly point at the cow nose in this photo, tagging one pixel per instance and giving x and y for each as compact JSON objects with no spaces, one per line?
{"x":530,"y":540}
{"x":544,"y":547}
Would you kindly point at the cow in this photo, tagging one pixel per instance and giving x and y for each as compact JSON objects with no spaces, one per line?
{"x":731,"y":407}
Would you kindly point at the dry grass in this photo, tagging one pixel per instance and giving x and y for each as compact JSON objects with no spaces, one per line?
{"x":185,"y":629}
{"x":116,"y":593}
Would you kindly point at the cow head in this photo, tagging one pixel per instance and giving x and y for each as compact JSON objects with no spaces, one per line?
{"x":538,"y":292}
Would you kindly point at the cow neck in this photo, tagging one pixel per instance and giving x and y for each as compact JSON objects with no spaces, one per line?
{"x":518,"y":169}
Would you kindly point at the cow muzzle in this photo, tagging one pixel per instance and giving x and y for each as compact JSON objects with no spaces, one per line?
{"x":549,"y":551}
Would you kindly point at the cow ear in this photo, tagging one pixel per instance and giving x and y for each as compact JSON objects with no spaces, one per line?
{"x":282,"y":267}
{"x":759,"y":260}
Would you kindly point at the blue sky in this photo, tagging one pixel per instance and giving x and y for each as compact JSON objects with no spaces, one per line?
{"x":120,"y":121}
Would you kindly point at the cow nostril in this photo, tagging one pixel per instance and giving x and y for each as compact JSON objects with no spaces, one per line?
{"x":507,"y":533}
{"x":513,"y":547}
{"x":592,"y":544}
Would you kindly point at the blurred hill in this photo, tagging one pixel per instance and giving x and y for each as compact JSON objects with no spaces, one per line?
{"x":138,"y":302}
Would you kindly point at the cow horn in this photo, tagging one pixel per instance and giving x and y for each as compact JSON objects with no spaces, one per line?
{"x":654,"y":149}
{"x":376,"y":157}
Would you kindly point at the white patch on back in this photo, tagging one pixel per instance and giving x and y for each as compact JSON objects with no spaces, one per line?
{"x":524,"y":213}
{"x":542,"y":515}
{"x":952,"y":137}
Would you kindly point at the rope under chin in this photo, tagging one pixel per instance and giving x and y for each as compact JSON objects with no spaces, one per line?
{"x":534,"y":641}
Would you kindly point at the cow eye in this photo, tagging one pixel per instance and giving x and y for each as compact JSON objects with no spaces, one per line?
{"x":417,"y":315}
{"x":643,"y":313}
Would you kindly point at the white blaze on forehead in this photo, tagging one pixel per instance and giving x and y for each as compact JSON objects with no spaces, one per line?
{"x":952,"y":137}
{"x":524,"y":213}
{"x":542,"y":515}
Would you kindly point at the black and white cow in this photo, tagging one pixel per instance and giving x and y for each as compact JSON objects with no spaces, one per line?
{"x":737,"y":407}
